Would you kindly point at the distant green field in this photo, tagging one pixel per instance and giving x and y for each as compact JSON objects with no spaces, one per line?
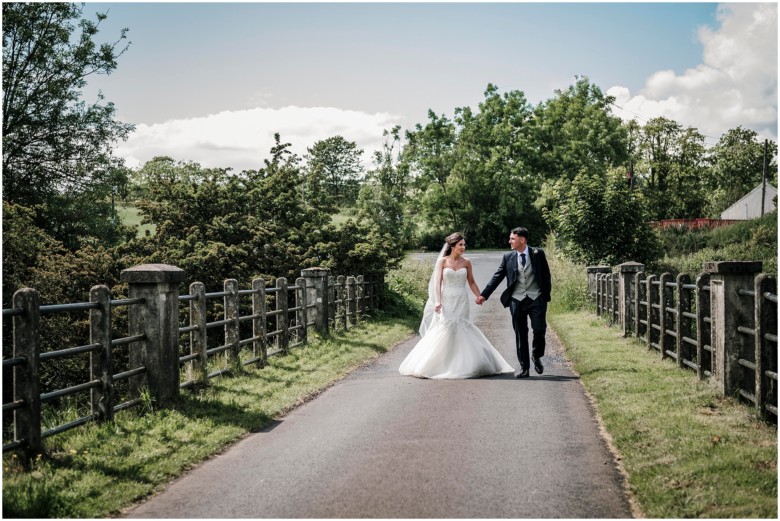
{"x":131,"y":216}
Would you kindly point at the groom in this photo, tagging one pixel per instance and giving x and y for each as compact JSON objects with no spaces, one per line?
{"x":526,"y":295}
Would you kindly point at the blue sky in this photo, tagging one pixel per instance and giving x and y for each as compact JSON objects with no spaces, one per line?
{"x":211,"y":82}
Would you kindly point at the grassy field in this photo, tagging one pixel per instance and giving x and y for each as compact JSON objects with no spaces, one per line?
{"x":131,"y":216}
{"x":687,"y":452}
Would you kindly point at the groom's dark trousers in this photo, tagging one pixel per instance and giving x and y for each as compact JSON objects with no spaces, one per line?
{"x":536,"y":309}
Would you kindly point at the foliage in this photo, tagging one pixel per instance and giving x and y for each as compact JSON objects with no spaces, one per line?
{"x":686,"y":250}
{"x":670,"y":166}
{"x":737,"y":167}
{"x":333,"y":171}
{"x":575,"y":133}
{"x":600,"y":220}
{"x":57,"y":150}
{"x":570,"y":286}
{"x":383,"y":197}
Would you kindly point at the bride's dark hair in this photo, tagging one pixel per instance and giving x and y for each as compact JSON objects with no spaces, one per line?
{"x":451,"y":240}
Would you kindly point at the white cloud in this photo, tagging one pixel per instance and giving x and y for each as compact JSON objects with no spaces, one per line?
{"x":735,"y":85}
{"x":243,"y":139}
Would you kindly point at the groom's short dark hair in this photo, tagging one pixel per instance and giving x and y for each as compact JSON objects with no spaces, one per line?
{"x":522,"y":232}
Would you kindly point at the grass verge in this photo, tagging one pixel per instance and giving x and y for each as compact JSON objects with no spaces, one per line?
{"x":96,"y":470}
{"x":687,"y":452}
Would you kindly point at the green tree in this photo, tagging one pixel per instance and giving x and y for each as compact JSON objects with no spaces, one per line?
{"x":737,"y":163}
{"x":431,"y":155}
{"x":575,"y":132}
{"x":672,"y":167}
{"x":57,"y":149}
{"x":333,"y":169}
{"x":491,"y":188}
{"x":383,"y":199}
{"x":600,"y":220}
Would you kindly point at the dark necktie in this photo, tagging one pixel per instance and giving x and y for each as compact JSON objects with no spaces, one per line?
{"x":522,"y":259}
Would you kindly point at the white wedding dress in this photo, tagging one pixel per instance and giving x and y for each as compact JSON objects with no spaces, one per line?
{"x":453,"y":347}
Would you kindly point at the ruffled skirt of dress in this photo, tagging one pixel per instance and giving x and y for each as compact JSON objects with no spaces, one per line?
{"x":453,"y":349}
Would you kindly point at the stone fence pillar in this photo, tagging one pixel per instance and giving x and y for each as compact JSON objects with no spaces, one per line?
{"x":627,"y":272}
{"x":730,"y":310}
{"x":317,"y":294}
{"x":158,"y":320}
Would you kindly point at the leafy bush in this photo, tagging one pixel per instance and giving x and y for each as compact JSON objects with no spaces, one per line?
{"x":599,"y":220}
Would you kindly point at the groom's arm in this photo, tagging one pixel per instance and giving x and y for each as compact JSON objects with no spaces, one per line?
{"x":498,"y":276}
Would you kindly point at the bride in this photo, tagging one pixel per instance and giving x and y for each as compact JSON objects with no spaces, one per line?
{"x":451,"y":346}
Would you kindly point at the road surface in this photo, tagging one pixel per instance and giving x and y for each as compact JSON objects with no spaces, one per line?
{"x":381,"y":445}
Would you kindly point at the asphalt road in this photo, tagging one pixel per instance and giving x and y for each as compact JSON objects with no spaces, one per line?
{"x":381,"y":445}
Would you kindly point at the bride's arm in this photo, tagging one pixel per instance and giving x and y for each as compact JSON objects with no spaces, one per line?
{"x":470,"y":279}
{"x":437,"y":285}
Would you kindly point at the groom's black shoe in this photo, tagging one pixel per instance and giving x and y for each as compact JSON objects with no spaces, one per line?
{"x":521,"y":373}
{"x":538,"y":367}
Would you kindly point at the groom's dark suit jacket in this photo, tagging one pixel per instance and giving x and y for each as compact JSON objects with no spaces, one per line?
{"x":508,"y":269}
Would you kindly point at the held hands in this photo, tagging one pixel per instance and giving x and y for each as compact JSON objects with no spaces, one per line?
{"x":480,"y":300}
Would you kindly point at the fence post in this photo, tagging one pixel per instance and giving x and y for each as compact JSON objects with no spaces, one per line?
{"x":259,"y":322}
{"x":703,"y":326}
{"x":340,"y":300}
{"x":282,"y":318}
{"x":101,"y":398}
{"x":360,"y":296}
{"x":199,"y":337}
{"x":593,"y":279}
{"x":317,"y":294}
{"x":351,"y":311}
{"x":728,"y":313}
{"x":232,"y":336}
{"x":27,"y":345}
{"x":652,"y":299}
{"x":640,"y":288}
{"x":158,"y":320}
{"x":301,"y":303}
{"x":682,"y":324}
{"x":766,"y":352}
{"x":332,"y":296}
{"x":627,"y":271}
{"x":665,"y":302}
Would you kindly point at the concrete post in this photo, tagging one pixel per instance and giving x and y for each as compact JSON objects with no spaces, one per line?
{"x":301,"y":317}
{"x":317,"y":294}
{"x":593,"y":281}
{"x":27,"y":345}
{"x":666,"y":299}
{"x":640,"y":288}
{"x":703,"y":327}
{"x":766,"y":351}
{"x":198,"y":367}
{"x":158,"y":320}
{"x":101,"y":398}
{"x":351,"y":298}
{"x":259,"y":328}
{"x":232,"y":324}
{"x":729,"y":311}
{"x":627,"y":272}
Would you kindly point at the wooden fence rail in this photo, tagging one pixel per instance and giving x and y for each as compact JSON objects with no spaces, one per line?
{"x":256,"y":324}
{"x":722,"y":325}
